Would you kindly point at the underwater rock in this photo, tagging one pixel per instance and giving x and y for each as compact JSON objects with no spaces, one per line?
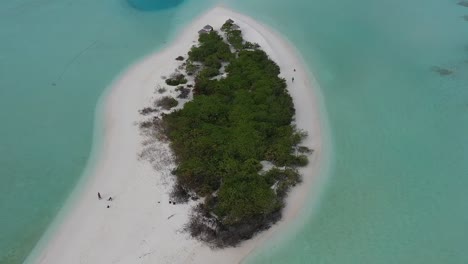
{"x":441,"y":71}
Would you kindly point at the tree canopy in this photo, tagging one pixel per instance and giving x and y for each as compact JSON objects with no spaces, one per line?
{"x":231,"y":125}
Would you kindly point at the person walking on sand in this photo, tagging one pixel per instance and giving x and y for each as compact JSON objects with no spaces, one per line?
{"x":292,"y":79}
{"x":99,"y":196}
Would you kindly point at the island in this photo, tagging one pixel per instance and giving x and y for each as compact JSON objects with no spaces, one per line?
{"x":235,"y":145}
{"x":203,"y":151}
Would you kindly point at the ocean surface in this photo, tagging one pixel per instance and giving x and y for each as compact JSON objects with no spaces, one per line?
{"x":393,"y":75}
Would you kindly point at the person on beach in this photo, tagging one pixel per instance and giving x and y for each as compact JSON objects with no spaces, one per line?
{"x":110,"y":198}
{"x":292,"y":79}
{"x":99,"y":196}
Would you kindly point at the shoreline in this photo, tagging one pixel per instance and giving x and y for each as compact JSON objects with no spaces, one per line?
{"x":88,"y":230}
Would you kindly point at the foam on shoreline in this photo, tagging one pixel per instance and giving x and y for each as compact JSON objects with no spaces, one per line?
{"x":136,"y":228}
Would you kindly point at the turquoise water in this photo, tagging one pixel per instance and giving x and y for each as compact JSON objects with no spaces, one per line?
{"x":56,"y":58}
{"x":396,"y":186}
{"x":396,"y":191}
{"x":149,"y":5}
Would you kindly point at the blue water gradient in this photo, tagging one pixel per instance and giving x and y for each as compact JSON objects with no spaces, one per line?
{"x":396,"y":190}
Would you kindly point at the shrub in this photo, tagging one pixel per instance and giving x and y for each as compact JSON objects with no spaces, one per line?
{"x":211,"y":44}
{"x":234,"y":37}
{"x":161,"y":90}
{"x":191,"y":68}
{"x":167,"y":102}
{"x":206,"y":226}
{"x":250,"y":45}
{"x":147,"y":110}
{"x":145,"y":124}
{"x":212,"y":62}
{"x":298,"y":136}
{"x":180,"y":58}
{"x":184,"y":92}
{"x":226,"y":26}
{"x":209,"y":72}
{"x":179,"y":194}
{"x":300,"y":161}
{"x":304,"y":150}
{"x":176,"y":79}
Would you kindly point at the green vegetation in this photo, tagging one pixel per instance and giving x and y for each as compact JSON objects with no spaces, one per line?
{"x":167,"y":102}
{"x":221,"y":136}
{"x":211,"y":53}
{"x":227,"y":25}
{"x":190,"y":68}
{"x":234,"y":37}
{"x":212,"y":49}
{"x":250,"y":45}
{"x":176,"y":79}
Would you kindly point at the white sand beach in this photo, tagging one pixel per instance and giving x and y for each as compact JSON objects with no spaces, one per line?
{"x":141,"y":226}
